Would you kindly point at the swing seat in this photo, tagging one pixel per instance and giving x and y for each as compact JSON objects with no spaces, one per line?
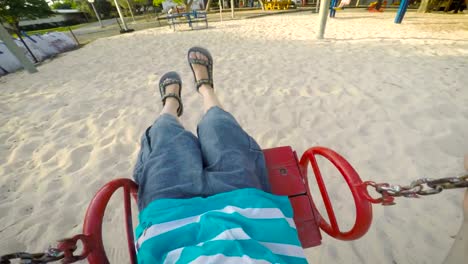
{"x":288,"y":177}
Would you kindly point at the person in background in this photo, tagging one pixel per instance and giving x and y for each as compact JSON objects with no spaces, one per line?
{"x":342,"y":4}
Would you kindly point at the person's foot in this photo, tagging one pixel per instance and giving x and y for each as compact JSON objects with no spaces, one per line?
{"x":200,"y":71}
{"x":170,"y":87}
{"x":173,"y":88}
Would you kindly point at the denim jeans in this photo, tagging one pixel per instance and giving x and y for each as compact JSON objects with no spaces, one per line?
{"x":173,"y":163}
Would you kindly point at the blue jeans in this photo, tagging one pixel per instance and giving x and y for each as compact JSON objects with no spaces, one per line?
{"x":173,"y":163}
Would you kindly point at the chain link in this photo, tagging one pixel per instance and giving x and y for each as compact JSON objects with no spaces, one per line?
{"x":423,"y":186}
{"x":51,"y":255}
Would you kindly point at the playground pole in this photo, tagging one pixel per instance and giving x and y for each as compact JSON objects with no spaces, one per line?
{"x":332,"y":6}
{"x":232,"y":8}
{"x":401,"y":11}
{"x":16,"y":51}
{"x":220,"y":10}
{"x":324,"y":5}
{"x":95,"y":12}
{"x":131,"y":12}
{"x":125,"y":28}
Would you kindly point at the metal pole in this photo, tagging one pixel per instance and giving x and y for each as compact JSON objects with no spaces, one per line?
{"x":76,"y":40}
{"x":97,"y":15}
{"x":16,"y":51}
{"x":131,"y":12}
{"x":118,"y":22}
{"x":125,"y":28}
{"x":220,"y":10}
{"x":27,"y":48}
{"x":401,"y":11}
{"x":357,"y":3}
{"x":232,"y":8}
{"x":324,"y":5}
{"x":317,"y":6}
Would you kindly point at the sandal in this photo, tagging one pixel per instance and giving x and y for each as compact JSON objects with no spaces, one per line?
{"x":208,"y":64}
{"x":166,"y":80}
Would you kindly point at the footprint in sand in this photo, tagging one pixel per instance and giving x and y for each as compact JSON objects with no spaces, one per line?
{"x":79,"y":157}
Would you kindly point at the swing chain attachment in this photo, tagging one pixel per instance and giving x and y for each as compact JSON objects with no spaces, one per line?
{"x":64,"y":252}
{"x":417,"y":188}
{"x":50,"y":255}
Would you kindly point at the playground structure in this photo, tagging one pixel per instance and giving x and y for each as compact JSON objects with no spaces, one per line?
{"x":277,"y":4}
{"x":327,"y":8}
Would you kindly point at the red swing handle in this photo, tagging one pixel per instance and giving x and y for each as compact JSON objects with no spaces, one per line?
{"x":363,"y":206}
{"x":93,"y":246}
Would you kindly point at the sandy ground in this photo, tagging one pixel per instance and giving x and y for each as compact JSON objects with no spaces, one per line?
{"x":390,"y":98}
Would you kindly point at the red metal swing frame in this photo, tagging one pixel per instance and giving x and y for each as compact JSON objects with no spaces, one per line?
{"x":288,"y":176}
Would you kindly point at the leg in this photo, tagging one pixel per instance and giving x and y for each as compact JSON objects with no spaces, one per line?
{"x":231,"y":158}
{"x":169,"y":164}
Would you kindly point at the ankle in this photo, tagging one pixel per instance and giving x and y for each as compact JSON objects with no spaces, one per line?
{"x":171,"y":105}
{"x":206,"y":89}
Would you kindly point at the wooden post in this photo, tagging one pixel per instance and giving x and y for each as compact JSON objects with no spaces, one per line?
{"x":17,"y":52}
{"x":324,"y":6}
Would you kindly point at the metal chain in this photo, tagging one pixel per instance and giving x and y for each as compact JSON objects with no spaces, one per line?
{"x":51,"y":255}
{"x":423,"y":186}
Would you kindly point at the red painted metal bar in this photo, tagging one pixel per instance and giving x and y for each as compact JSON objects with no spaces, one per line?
{"x":326,"y":199}
{"x":92,"y":227}
{"x":363,"y":206}
{"x":129,"y":224}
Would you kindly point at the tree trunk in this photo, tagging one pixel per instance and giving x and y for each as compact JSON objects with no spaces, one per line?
{"x":424,"y":7}
{"x":208,"y":6}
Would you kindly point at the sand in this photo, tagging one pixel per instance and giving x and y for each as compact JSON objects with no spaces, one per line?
{"x":390,"y":98}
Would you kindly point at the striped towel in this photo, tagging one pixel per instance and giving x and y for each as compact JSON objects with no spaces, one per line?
{"x":241,"y":226}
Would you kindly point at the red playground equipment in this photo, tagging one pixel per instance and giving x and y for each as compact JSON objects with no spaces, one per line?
{"x":288,"y":176}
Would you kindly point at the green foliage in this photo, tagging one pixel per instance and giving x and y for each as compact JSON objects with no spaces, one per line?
{"x":12,"y":10}
{"x":67,"y":4}
{"x":141,"y":2}
{"x":104,"y":7}
{"x":85,"y":7}
{"x":122,"y":3}
{"x":186,"y":3}
{"x":159,"y":2}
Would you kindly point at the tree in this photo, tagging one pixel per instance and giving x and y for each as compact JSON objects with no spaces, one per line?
{"x":186,"y":3}
{"x":84,"y":6}
{"x":67,"y":4}
{"x":11,"y":11}
{"x":103,"y":7}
